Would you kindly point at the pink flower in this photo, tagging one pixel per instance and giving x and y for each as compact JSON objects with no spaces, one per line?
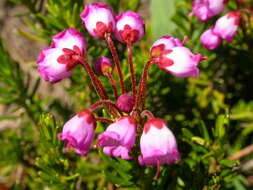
{"x":158,"y":144}
{"x":50,"y":68}
{"x":180,"y":62}
{"x":58,"y":61}
{"x":206,"y":9}
{"x":210,"y":40}
{"x":98,"y":19}
{"x":119,"y":138}
{"x":125,"y":102}
{"x":102,"y":65}
{"x":68,"y":39}
{"x":226,"y":26}
{"x":78,"y":132}
{"x":130,"y":27}
{"x":164,"y":43}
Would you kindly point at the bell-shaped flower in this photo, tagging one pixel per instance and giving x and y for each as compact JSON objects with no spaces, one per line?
{"x":103,"y":65}
{"x":210,"y":40}
{"x":119,"y":137}
{"x":206,"y":9}
{"x":78,"y":132}
{"x":180,"y":62}
{"x":158,"y":144}
{"x":162,"y":44}
{"x":68,"y":39}
{"x":58,"y":61}
{"x":98,"y":19}
{"x":226,"y":26}
{"x":130,"y":27}
{"x":49,"y":66}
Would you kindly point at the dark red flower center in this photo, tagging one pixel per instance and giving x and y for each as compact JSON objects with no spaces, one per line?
{"x":128,"y":35}
{"x":164,"y":61}
{"x":70,"y":57}
{"x":101,"y":29}
{"x":157,"y":50}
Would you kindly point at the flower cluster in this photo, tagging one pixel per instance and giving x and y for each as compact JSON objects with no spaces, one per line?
{"x":158,"y":145}
{"x":225,"y":27}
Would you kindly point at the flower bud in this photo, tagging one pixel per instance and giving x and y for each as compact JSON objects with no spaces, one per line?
{"x":119,"y":138}
{"x":210,"y":40}
{"x":50,"y":68}
{"x":98,"y":19}
{"x":125,"y":103}
{"x":164,"y":43}
{"x":227,"y":25}
{"x":158,"y":144}
{"x":206,"y":9}
{"x":68,"y":39}
{"x":130,"y":27}
{"x":103,"y":65}
{"x":78,"y":132}
{"x":180,"y":62}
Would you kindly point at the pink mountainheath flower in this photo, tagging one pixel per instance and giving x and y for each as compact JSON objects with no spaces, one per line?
{"x":102,"y":65}
{"x":164,"y":43}
{"x":227,"y":25}
{"x":125,"y":102}
{"x":78,"y":132}
{"x":98,"y":19}
{"x":158,"y":144}
{"x":206,"y":9}
{"x":68,"y":39}
{"x":180,"y":62}
{"x":119,"y":138}
{"x":130,"y":27}
{"x":50,"y":68}
{"x":210,"y":40}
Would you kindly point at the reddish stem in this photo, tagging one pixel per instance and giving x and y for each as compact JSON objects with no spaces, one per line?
{"x":97,"y":84}
{"x":94,"y":79}
{"x":148,"y":114}
{"x":104,"y":120}
{"x":142,"y":85}
{"x":105,"y":102}
{"x":130,"y":59}
{"x":110,"y":77}
{"x":116,"y":60}
{"x":157,"y":170}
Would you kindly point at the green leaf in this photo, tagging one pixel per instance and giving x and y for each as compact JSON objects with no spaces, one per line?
{"x":198,"y":140}
{"x":220,"y":126}
{"x":204,"y":131}
{"x":187,"y":133}
{"x":161,"y":11}
{"x":122,"y":171}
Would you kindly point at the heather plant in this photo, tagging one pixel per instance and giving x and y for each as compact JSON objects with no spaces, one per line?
{"x":146,"y":112}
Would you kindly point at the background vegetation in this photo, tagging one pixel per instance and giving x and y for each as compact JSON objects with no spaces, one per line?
{"x":212,"y":116}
